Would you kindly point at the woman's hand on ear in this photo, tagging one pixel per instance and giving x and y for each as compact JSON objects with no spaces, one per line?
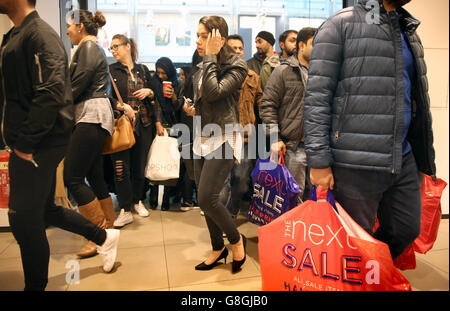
{"x":214,"y":42}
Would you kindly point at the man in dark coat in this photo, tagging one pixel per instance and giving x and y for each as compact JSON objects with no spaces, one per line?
{"x":282,"y":105}
{"x":368,"y":131}
{"x":264,"y":44}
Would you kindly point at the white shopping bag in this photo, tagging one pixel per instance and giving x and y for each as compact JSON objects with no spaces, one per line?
{"x":163,"y":162}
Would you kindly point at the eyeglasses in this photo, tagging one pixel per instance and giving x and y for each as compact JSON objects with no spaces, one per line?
{"x":114,"y":47}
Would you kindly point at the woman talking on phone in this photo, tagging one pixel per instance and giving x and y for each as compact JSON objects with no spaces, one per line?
{"x":216,"y":94}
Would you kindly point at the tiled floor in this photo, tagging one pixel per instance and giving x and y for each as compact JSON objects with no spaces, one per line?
{"x":159,"y":253}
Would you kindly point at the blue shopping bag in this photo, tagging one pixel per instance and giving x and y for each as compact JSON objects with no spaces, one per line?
{"x":275,"y":190}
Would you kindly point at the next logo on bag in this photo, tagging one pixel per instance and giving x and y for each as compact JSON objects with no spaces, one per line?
{"x":349,"y":269}
{"x":316,"y":234}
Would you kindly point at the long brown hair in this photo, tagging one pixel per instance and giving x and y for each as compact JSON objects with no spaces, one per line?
{"x":218,"y":22}
{"x":124,"y":40}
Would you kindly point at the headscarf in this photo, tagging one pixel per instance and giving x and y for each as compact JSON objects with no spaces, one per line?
{"x":167,"y":107}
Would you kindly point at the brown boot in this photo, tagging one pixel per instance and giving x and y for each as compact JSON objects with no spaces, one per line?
{"x":89,"y":250}
{"x":92,"y":211}
{"x":108,"y":210}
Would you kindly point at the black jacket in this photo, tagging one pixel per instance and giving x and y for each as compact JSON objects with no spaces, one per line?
{"x":89,"y":73}
{"x":255,"y":63}
{"x":35,"y":92}
{"x":169,"y":115}
{"x":120,"y":76}
{"x":354,"y":103}
{"x":282,"y":102}
{"x":221,"y":86}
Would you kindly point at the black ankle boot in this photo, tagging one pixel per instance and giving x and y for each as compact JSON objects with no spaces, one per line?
{"x":204,"y":266}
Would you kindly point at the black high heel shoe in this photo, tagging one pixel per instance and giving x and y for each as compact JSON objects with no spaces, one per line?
{"x":204,"y":266}
{"x":237,"y":264}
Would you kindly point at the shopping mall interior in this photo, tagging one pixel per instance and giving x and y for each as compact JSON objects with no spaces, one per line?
{"x":159,"y":252}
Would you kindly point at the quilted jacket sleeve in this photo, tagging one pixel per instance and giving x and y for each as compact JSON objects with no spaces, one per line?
{"x":324,"y":67}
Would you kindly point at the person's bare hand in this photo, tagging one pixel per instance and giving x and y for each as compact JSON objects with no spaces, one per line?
{"x":159,"y":129}
{"x":143,"y":93}
{"x":24,"y":156}
{"x":214,"y":42}
{"x":279,"y":147}
{"x":322,"y":177}
{"x":130,"y":113}
{"x":188,"y":108}
{"x":168,"y":89}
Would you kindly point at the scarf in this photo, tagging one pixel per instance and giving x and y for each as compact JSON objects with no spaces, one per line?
{"x":167,"y":107}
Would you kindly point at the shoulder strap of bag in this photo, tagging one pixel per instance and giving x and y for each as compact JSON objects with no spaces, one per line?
{"x":116,"y":90}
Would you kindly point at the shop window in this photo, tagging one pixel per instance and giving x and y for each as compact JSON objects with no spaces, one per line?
{"x":169,"y":27}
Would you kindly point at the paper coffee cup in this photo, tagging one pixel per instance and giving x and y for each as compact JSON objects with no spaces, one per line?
{"x":166,"y":83}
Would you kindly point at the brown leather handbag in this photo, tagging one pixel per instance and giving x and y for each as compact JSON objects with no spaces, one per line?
{"x":123,"y":136}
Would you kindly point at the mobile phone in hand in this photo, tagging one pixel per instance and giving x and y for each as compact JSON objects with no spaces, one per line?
{"x":190,"y":101}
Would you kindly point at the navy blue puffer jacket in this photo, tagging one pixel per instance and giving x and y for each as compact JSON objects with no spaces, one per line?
{"x":354,"y":103}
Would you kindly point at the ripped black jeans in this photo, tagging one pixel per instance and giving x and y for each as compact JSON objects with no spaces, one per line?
{"x":129,"y":166}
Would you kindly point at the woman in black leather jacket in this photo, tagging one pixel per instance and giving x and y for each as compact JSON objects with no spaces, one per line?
{"x":94,"y":121}
{"x":216,"y":94}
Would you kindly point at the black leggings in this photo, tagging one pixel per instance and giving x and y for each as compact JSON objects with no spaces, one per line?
{"x":84,"y":160}
{"x":32,"y":207}
{"x":210,"y":176}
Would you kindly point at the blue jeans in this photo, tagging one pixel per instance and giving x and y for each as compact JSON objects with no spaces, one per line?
{"x":394,"y":199}
{"x":296,"y":164}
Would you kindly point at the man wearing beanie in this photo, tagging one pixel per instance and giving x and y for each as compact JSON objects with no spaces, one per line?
{"x":264,"y":44}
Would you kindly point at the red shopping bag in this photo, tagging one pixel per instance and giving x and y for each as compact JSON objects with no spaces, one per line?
{"x":407,"y":260}
{"x":431,"y":213}
{"x":317,"y":246}
{"x":4,"y":180}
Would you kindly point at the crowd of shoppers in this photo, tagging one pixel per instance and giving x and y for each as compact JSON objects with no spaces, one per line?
{"x":377,"y":135}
